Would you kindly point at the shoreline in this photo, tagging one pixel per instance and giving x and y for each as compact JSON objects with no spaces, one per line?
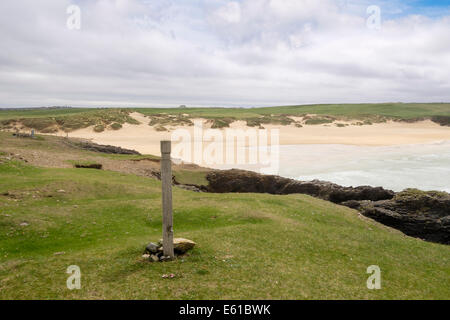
{"x":145,"y":139}
{"x":397,"y":209}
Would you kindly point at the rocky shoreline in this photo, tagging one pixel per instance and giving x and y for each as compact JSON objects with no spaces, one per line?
{"x":420,"y":214}
{"x":94,"y":147}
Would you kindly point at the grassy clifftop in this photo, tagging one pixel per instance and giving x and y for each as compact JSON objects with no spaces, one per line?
{"x":249,"y":246}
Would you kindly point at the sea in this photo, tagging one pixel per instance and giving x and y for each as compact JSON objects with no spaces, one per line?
{"x":422,"y":166}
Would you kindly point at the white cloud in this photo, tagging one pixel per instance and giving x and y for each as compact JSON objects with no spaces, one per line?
{"x":217,"y":52}
{"x":229,"y":13}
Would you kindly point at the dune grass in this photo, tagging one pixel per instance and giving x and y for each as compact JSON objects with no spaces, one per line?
{"x":249,"y":246}
{"x":394,"y":110}
{"x":52,"y":120}
{"x":68,"y":119}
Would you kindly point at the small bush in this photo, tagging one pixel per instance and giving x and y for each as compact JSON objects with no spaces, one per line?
{"x":317,"y":121}
{"x":273,"y":119}
{"x":49,"y":130}
{"x":442,"y":120}
{"x":160,"y":128}
{"x":116,"y":126}
{"x":38,"y":123}
{"x":99,"y":128}
{"x":221,"y":123}
{"x":88,"y":165}
{"x":7,"y":122}
{"x":253,"y":122}
{"x":170,"y":120}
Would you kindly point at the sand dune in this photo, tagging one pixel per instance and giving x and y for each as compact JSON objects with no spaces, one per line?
{"x":145,"y":138}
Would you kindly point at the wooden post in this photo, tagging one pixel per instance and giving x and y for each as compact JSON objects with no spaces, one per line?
{"x":166,"y":179}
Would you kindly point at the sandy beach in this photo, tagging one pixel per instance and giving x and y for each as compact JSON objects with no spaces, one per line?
{"x":145,"y":138}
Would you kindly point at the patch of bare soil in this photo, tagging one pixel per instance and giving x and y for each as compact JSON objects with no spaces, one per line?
{"x":90,"y":146}
{"x":65,"y":153}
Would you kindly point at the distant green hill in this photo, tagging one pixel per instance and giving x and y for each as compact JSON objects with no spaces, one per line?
{"x":49,"y":120}
{"x":398,"y":110}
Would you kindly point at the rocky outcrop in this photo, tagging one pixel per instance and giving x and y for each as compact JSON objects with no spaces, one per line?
{"x":420,"y":214}
{"x":97,"y":166}
{"x":102,"y":148}
{"x":245,"y":181}
{"x":425,"y":215}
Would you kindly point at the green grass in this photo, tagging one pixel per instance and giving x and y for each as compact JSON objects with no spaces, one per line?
{"x":249,"y":246}
{"x":191,"y":177}
{"x":50,"y":120}
{"x":46,"y":120}
{"x":218,"y":123}
{"x":268,"y":119}
{"x":317,"y":121}
{"x":99,"y":128}
{"x":41,"y":112}
{"x":395,"y":110}
{"x":169,"y":120}
{"x":116,"y":126}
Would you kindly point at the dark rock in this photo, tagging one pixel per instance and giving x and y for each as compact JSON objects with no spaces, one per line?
{"x":97,"y":166}
{"x":152,"y":248}
{"x":354,"y":204}
{"x":23,"y":135}
{"x":102,"y":148}
{"x":245,"y":181}
{"x":425,"y":215}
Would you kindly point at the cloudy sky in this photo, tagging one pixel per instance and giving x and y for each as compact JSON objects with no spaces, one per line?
{"x":149,"y":53}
